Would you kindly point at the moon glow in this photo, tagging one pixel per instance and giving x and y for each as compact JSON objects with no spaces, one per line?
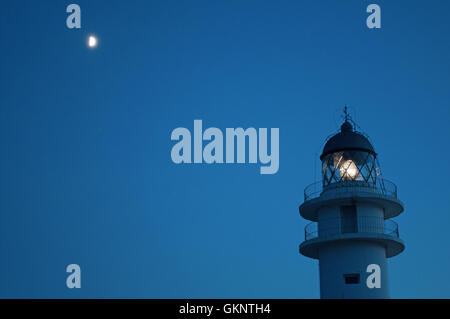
{"x":92,"y":41}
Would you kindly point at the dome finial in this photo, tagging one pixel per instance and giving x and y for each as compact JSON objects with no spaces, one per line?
{"x":346,"y":126}
{"x":346,"y":115}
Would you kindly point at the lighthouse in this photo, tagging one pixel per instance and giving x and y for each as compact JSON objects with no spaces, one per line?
{"x":351,"y":232}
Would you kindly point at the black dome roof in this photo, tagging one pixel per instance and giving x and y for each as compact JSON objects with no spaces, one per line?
{"x":347,"y":139}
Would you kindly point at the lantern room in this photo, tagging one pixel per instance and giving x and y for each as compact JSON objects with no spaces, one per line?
{"x":348,"y":156}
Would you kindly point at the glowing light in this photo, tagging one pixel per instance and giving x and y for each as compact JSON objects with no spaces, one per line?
{"x":92,"y":41}
{"x":348,"y":170}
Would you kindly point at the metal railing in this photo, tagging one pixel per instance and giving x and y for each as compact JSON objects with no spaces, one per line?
{"x":362,"y":224}
{"x":382,"y":186}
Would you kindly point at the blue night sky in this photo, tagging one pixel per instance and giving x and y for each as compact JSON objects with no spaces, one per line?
{"x":86,"y":172}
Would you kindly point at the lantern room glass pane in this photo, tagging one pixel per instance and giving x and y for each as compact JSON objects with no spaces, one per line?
{"x":348,"y":166}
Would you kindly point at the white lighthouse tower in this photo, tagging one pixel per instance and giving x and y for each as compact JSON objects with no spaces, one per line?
{"x":351,"y":232}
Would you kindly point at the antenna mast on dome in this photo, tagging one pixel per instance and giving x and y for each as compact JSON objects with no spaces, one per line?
{"x":347,"y":116}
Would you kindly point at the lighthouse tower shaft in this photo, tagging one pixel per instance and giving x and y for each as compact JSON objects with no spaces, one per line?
{"x":351,"y":232}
